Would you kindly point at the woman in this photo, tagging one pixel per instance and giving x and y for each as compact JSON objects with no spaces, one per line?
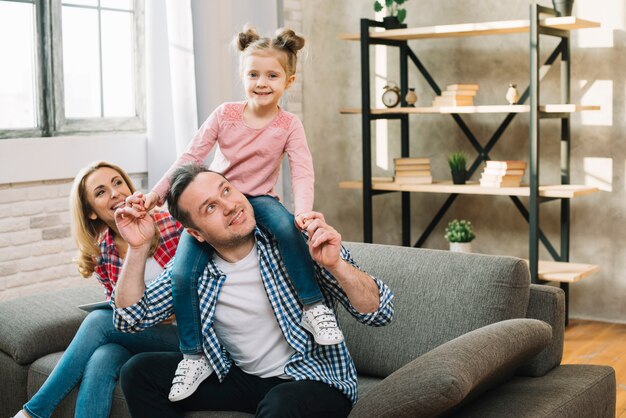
{"x":98,"y":351}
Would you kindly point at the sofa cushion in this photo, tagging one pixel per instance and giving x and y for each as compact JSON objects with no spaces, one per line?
{"x":41,"y":369}
{"x":438,"y":296}
{"x":34,"y":326}
{"x":456,"y":371}
{"x":568,"y":391}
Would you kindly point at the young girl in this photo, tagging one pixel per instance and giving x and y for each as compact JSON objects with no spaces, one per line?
{"x":97,"y":352}
{"x":252,"y":137}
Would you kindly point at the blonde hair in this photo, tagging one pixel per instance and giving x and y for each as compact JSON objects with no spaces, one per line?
{"x":85,"y":231}
{"x":285,"y":41}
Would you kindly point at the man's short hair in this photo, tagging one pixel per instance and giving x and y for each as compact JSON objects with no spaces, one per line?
{"x":179,"y":181}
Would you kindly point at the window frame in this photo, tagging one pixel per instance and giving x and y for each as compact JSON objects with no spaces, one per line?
{"x":50,"y":84}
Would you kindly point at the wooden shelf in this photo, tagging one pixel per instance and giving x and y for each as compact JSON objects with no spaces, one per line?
{"x":556,"y":271}
{"x":565,"y":191}
{"x":475,"y":29}
{"x":549,"y":108}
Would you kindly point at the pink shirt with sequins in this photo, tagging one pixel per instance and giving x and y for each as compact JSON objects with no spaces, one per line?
{"x":250,"y":158}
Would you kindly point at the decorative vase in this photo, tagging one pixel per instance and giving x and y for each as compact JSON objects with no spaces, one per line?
{"x":411,"y":97}
{"x":461,"y":247}
{"x":459,"y":176}
{"x":563,"y":7}
{"x":512,"y":95}
{"x":391,"y":22}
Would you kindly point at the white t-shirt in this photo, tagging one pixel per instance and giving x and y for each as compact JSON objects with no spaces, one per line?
{"x":152,"y":271}
{"x":245,"y":323}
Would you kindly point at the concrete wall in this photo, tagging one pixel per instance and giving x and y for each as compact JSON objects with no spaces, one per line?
{"x":598,"y":151}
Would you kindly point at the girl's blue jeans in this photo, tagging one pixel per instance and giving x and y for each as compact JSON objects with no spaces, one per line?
{"x":96,"y":355}
{"x":193,"y":256}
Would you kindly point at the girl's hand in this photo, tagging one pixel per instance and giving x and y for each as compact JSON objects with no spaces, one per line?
{"x":151,"y":200}
{"x":300,"y":221}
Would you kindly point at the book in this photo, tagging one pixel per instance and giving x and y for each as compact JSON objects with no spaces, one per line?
{"x":414,"y":180}
{"x":487,"y":183}
{"x":453,"y":87}
{"x":412,"y":173}
{"x":459,"y":93}
{"x":504,"y":171}
{"x":452,"y":101}
{"x":505,"y":178}
{"x":506,"y":164}
{"x":437,"y":103}
{"x":411,"y":167}
{"x":411,"y":160}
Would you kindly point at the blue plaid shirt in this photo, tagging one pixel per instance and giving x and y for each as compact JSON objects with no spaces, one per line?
{"x":332,"y":364}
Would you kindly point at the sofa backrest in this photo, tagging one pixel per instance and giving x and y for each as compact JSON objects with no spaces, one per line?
{"x":438,"y":296}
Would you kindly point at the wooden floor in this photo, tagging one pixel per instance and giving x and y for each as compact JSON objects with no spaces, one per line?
{"x":590,"y":342}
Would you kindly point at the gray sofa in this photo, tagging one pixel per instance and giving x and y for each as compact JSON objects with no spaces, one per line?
{"x":471,"y":338}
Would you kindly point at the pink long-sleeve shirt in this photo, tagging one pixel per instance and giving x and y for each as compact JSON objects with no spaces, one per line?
{"x":250,"y":158}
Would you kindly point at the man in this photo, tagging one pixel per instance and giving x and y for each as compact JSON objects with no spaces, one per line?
{"x":263,"y":361}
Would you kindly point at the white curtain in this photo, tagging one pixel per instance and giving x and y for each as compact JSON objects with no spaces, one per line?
{"x":171,"y":87}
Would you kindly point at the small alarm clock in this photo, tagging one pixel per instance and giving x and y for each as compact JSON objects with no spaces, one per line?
{"x":391,"y":95}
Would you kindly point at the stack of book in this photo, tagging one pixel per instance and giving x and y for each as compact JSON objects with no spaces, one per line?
{"x":412,"y":170}
{"x":502,"y":173}
{"x":457,"y":95}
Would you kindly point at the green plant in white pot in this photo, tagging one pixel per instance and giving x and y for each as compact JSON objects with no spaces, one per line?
{"x":395,"y":12}
{"x":460,"y":235}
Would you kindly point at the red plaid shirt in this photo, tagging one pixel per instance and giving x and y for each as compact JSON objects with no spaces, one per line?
{"x":109,"y":263}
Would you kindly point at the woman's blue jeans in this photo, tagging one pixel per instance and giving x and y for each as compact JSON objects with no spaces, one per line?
{"x":95,"y":356}
{"x":193,"y":256}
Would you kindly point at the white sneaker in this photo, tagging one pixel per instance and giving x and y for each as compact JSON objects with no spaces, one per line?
{"x":320,"y":321}
{"x":189,"y":374}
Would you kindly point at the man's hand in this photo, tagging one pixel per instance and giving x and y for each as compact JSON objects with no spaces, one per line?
{"x":134,"y":223}
{"x":325,"y":249}
{"x":324,"y":240}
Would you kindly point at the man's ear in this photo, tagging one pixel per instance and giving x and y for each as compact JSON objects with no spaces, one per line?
{"x":196,"y":234}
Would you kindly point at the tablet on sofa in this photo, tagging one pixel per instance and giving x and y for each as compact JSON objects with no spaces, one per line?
{"x":95,"y":305}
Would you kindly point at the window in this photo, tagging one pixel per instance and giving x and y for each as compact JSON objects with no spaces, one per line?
{"x":71,"y":66}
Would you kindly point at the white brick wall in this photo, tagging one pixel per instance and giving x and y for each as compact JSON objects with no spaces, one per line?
{"x":36,"y":248}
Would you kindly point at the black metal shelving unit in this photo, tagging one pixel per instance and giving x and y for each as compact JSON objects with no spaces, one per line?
{"x":531,"y":94}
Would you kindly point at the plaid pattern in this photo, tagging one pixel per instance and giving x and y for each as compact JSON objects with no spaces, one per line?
{"x":109,"y":262}
{"x":329,"y":364}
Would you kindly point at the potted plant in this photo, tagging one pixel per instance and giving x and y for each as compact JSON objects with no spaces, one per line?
{"x":395,"y":13}
{"x":458,"y":165}
{"x":563,"y":7}
{"x":460,"y":234}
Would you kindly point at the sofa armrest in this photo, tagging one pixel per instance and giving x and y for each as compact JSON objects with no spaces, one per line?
{"x":33,"y":326}
{"x":547,"y":304}
{"x":456,"y":371}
